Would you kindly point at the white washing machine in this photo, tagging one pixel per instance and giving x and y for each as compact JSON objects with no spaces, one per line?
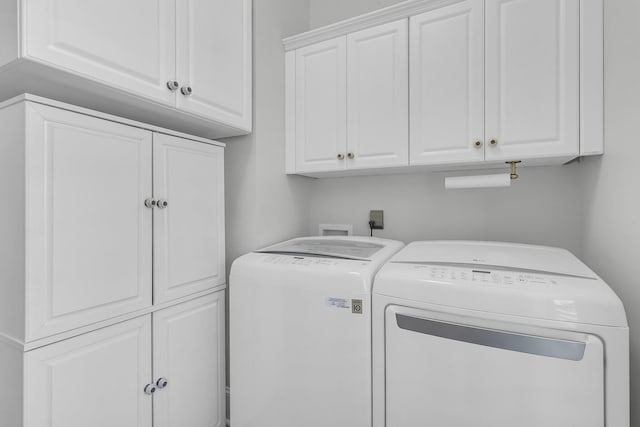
{"x":300,"y":332}
{"x":497,"y":335}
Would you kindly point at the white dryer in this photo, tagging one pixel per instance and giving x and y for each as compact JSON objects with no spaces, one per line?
{"x":497,"y":335}
{"x":300,"y":332}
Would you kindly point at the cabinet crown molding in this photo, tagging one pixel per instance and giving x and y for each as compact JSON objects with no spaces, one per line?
{"x":377,"y":17}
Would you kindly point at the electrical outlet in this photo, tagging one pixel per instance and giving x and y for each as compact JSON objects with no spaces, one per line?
{"x":378,"y":219}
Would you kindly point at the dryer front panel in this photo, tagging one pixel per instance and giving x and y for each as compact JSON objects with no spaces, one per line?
{"x":444,"y":370}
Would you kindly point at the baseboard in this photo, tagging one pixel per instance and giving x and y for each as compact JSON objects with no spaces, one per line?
{"x":228,"y":390}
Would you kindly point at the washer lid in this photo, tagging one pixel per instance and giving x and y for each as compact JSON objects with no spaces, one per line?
{"x":511,"y":256}
{"x":513,"y":279}
{"x":362,"y":249}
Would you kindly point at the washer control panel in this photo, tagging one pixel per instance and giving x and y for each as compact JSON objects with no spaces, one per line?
{"x":485,"y":277}
{"x":307,"y":261}
{"x":298,"y":260}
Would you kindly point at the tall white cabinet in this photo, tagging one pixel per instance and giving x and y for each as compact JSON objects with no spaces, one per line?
{"x":187,"y":350}
{"x":112,"y":271}
{"x":92,"y":379}
{"x":188,"y":232}
{"x":89,"y":243}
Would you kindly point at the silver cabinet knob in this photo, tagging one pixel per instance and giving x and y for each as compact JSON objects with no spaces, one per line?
{"x":150,"y":203}
{"x":173,"y":85}
{"x":340,"y":156}
{"x":150,"y":389}
{"x":350,"y":155}
{"x":162,"y":383}
{"x":186,"y":90}
{"x":477,"y":144}
{"x":162,"y":203}
{"x":493,"y":141}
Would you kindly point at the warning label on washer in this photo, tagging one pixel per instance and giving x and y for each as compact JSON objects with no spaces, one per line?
{"x":337,"y":302}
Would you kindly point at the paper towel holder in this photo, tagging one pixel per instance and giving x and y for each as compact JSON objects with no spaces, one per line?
{"x":513,"y":163}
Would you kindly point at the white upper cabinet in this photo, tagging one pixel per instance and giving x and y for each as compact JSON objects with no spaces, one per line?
{"x":495,"y":80}
{"x":189,"y":217}
{"x":320,"y":106}
{"x":129,"y":45}
{"x":88,"y":232}
{"x":474,"y":84}
{"x":533,"y":78}
{"x":447,"y":84}
{"x":180,"y":64}
{"x":377,"y":105}
{"x":214,"y":59}
{"x":350,"y":95}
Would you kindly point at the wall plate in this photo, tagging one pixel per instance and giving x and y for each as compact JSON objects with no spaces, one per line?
{"x":378,"y":219}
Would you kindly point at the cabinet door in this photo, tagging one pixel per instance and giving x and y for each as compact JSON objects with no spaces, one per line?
{"x":96,"y":379}
{"x":377,"y":97}
{"x":189,"y":231}
{"x":188,"y":351}
{"x":214,"y":59}
{"x":88,"y":231}
{"x":457,"y":373}
{"x":129,"y":45}
{"x":447,"y":83}
{"x":533,"y":65}
{"x":320,"y":113}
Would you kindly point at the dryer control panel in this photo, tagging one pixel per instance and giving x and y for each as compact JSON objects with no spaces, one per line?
{"x":485,"y":276}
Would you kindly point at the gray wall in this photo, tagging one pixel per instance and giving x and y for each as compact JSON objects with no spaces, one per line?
{"x":611,"y":184}
{"x":325,"y":12}
{"x":541,"y":207}
{"x":263,"y":205}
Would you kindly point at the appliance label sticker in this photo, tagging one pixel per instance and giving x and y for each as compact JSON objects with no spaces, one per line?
{"x":337,"y":302}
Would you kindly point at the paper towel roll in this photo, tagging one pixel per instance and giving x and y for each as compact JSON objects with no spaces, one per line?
{"x":477,"y":181}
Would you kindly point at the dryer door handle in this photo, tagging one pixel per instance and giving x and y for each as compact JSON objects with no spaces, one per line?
{"x":531,"y":344}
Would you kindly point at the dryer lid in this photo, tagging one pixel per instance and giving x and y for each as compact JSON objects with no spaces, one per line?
{"x":496,"y":255}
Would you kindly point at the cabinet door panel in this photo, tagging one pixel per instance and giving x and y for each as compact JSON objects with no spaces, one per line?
{"x":88,"y":231}
{"x":96,"y":379}
{"x":214,"y":58}
{"x":377,"y":96}
{"x":447,"y":81}
{"x":189,"y":232}
{"x":321,"y":132}
{"x":188,"y":341}
{"x":129,"y":45}
{"x":533,"y":78}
